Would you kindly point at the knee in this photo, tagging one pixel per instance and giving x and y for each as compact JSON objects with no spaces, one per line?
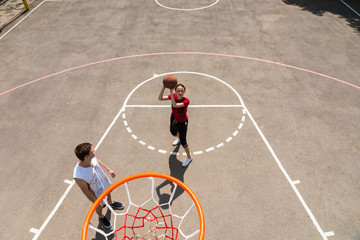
{"x":183,"y":142}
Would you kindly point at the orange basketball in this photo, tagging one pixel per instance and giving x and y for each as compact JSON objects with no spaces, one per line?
{"x":170,"y":81}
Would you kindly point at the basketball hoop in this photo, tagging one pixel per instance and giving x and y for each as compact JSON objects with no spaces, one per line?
{"x":143,"y":223}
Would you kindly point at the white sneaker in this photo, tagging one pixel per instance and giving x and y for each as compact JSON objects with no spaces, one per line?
{"x":186,"y":162}
{"x":176,"y":142}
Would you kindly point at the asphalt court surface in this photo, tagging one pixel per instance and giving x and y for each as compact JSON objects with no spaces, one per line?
{"x":87,"y":57}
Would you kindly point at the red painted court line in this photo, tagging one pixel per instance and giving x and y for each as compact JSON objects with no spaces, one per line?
{"x":182,"y":53}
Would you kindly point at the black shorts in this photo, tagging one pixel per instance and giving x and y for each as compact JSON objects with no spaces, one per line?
{"x":181,"y":128}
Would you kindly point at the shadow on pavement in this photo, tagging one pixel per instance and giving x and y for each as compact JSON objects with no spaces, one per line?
{"x":337,"y":7}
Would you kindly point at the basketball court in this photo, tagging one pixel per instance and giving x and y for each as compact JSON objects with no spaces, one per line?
{"x":274,"y":113}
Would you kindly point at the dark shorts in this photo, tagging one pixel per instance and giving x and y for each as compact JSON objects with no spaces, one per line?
{"x":181,"y":128}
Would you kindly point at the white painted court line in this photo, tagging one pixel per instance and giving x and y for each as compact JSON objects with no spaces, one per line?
{"x":296,"y":182}
{"x":190,"y":106}
{"x":39,"y":231}
{"x":324,"y":235}
{"x":350,"y":8}
{"x":162,"y":151}
{"x":22,"y":19}
{"x":292,"y":184}
{"x":155,"y":75}
{"x":186,"y":9}
{"x":210,"y":149}
{"x":329,"y":234}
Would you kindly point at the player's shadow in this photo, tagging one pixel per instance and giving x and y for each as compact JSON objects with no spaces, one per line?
{"x":176,"y":171}
{"x":98,"y":235}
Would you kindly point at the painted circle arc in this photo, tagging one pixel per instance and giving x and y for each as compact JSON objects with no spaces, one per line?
{"x":221,"y":142}
{"x":180,"y":53}
{"x":186,"y":9}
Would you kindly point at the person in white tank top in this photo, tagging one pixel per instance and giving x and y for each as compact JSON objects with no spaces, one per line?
{"x":90,"y":177}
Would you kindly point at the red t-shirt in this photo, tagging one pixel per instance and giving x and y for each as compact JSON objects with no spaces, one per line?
{"x":180,"y":113}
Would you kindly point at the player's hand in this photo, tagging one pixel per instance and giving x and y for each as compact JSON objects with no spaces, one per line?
{"x":112,"y":173}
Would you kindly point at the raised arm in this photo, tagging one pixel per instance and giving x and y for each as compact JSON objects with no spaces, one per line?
{"x":173,"y":103}
{"x":161,"y":95}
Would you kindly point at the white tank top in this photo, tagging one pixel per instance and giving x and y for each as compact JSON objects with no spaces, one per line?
{"x":94,"y":176}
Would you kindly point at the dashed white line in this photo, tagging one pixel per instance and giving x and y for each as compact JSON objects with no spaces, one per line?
{"x":229,"y":139}
{"x":235,"y":133}
{"x":162,"y":151}
{"x":142,"y":142}
{"x":128,"y":129}
{"x":125,"y":123}
{"x":123,"y":116}
{"x":151,"y":147}
{"x":134,"y":137}
{"x":210,"y":149}
{"x":220,"y":145}
{"x":198,"y":152}
{"x":240,"y":126}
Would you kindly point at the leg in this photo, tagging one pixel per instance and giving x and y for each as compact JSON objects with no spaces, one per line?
{"x":173,"y":129}
{"x":182,"y":133}
{"x":99,"y":211}
{"x":109,"y":200}
{"x":187,"y":151}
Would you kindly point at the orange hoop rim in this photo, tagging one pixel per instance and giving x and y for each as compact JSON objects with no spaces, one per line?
{"x":144,"y":175}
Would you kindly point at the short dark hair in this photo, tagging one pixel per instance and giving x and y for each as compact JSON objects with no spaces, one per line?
{"x":82,"y":150}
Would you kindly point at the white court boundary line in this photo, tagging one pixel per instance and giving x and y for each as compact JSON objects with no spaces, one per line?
{"x":350,"y":8}
{"x":22,"y":19}
{"x":292,"y":183}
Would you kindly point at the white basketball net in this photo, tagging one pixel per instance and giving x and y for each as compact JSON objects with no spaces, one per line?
{"x":147,"y":224}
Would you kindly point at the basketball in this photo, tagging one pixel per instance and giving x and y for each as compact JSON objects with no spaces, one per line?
{"x":170,"y":81}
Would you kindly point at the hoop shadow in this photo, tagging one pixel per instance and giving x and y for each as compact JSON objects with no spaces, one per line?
{"x":176,"y":171}
{"x":98,"y":235}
